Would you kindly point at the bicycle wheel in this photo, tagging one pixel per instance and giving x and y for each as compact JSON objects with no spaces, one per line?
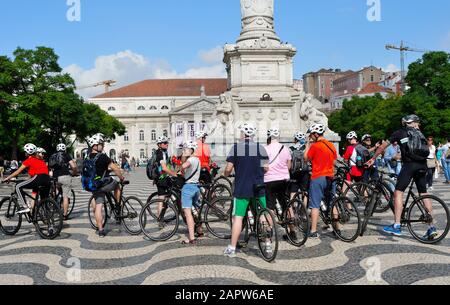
{"x":386,"y":198}
{"x":369,"y":210}
{"x":48,"y":219}
{"x":10,"y":221}
{"x":360,"y":193}
{"x":224,"y":180}
{"x":91,"y":213}
{"x":419,"y":219}
{"x":219,"y":191}
{"x":218,"y":217}
{"x":296,"y":222}
{"x":346,"y":220}
{"x":72,"y":199}
{"x":164,"y":226}
{"x":131,"y":209}
{"x":267,"y":235}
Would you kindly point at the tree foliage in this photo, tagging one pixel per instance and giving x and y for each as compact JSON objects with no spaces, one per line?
{"x":38,"y":104}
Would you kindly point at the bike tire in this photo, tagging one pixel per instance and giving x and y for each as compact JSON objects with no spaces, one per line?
{"x":8,"y":215}
{"x":300,"y":221}
{"x":264,"y":221}
{"x":345,"y":214}
{"x":130,"y":212}
{"x":150,"y":225}
{"x":91,"y":213}
{"x":445,"y":218}
{"x":48,"y":220}
{"x":368,"y":213}
{"x":388,"y":196}
{"x":220,"y":191}
{"x":224,"y":180}
{"x":219,"y":211}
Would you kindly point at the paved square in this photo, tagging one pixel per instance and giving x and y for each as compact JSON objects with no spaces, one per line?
{"x":123,"y":259}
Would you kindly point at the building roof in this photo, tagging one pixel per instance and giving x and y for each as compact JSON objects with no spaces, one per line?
{"x":170,"y":87}
{"x":374,"y":88}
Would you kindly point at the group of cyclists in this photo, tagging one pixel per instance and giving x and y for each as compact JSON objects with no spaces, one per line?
{"x":308,"y":166}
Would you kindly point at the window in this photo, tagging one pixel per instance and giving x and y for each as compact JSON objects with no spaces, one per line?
{"x":111,"y":109}
{"x":126,"y":138}
{"x":141,"y":136}
{"x":142,"y":154}
{"x":164,"y":108}
{"x":141,"y":108}
{"x":165,"y":133}
{"x":371,"y":78}
{"x":153,"y":108}
{"x":153,"y":135}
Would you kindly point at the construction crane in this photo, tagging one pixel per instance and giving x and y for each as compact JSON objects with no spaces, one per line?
{"x":403,"y":49}
{"x":106,"y":83}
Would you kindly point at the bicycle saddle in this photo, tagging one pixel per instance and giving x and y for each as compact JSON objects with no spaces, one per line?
{"x":126,"y":182}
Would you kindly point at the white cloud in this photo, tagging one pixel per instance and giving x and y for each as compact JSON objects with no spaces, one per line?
{"x":127,"y":67}
{"x":391,"y":68}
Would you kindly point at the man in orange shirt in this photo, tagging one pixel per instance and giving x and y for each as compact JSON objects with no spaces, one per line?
{"x":203,"y":152}
{"x":322,"y":155}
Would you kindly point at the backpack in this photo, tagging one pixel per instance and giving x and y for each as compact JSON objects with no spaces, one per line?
{"x":152,"y":168}
{"x":362,"y":156}
{"x":298,"y":161}
{"x":89,"y":179}
{"x":57,"y":160}
{"x":417,"y":147}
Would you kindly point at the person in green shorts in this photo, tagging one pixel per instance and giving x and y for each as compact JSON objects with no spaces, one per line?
{"x":247,"y":158}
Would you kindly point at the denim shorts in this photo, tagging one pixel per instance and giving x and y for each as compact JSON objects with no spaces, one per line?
{"x":317,"y":192}
{"x":189,"y":195}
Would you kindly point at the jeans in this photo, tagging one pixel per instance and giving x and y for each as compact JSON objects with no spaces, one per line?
{"x":430,"y":176}
{"x":396,"y":170}
{"x":446,"y":169}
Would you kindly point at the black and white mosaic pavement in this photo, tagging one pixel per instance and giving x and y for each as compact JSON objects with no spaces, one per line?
{"x":79,"y":256}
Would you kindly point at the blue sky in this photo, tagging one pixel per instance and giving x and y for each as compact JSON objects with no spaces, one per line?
{"x":179,"y":38}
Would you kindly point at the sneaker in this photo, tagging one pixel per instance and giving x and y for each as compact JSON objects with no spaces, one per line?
{"x":431,"y":233}
{"x":397,"y":231}
{"x":23,"y":210}
{"x":229,"y":252}
{"x":101,"y":233}
{"x":314,"y":235}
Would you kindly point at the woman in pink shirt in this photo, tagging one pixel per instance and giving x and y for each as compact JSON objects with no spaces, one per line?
{"x":277,"y":171}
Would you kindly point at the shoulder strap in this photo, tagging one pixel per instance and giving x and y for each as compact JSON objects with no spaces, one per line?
{"x":198,"y":166}
{"x":282,"y":147}
{"x":332,"y":151}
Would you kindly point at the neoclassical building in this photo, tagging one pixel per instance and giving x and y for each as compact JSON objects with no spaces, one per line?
{"x":176,"y":108}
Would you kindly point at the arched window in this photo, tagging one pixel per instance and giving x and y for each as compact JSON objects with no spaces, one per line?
{"x":142,"y":154}
{"x":141,"y":136}
{"x":164,"y":108}
{"x":153,"y":108}
{"x":126,"y":138}
{"x":165,"y":133}
{"x":153,"y":135}
{"x":141,"y":108}
{"x":111,"y":109}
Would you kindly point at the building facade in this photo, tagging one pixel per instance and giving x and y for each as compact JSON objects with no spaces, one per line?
{"x":321,"y":83}
{"x":353,"y":82}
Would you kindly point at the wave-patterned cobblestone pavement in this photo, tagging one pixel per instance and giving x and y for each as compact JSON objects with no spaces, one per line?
{"x":123,"y":259}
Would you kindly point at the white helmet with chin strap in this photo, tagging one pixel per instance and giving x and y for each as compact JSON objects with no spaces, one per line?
{"x":200,"y":134}
{"x":299,"y":136}
{"x":61,"y":147}
{"x":317,"y":128}
{"x":30,"y":149}
{"x":248,"y":129}
{"x":352,"y":135}
{"x":96,"y":139}
{"x":192,"y":145}
{"x":273,"y":133}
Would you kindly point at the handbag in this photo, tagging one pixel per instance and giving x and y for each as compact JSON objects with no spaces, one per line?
{"x":431,"y":163}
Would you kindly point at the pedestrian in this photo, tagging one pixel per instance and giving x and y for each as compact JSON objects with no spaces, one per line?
{"x":133,"y":162}
{"x":438,"y":158}
{"x":431,"y":163}
{"x":393,"y":157}
{"x":2,"y":167}
{"x":445,"y":161}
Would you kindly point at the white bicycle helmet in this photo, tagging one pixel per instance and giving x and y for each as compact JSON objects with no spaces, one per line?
{"x":40,"y":150}
{"x":365,"y":137}
{"x":352,"y":135}
{"x":162,"y":139}
{"x":273,"y":133}
{"x":61,"y":147}
{"x":96,"y":139}
{"x":317,"y":128}
{"x":200,"y":134}
{"x":248,"y":129}
{"x":192,"y":145}
{"x":300,"y":136}
{"x":30,"y":149}
{"x":410,"y":119}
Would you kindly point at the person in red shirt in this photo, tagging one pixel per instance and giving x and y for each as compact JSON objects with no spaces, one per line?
{"x":203,"y":152}
{"x":356,"y":174}
{"x":322,"y":155}
{"x":38,"y":171}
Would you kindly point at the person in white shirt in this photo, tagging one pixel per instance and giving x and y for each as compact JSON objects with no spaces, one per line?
{"x":431,"y":163}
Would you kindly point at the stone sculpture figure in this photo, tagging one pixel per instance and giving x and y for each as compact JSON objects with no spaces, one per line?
{"x":251,"y":8}
{"x":222,"y":120}
{"x":310,"y":114}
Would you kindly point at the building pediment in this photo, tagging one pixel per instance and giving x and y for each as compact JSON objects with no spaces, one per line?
{"x":196,"y":106}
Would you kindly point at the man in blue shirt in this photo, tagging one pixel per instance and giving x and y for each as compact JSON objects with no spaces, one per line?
{"x":248,"y":159}
{"x":392,"y":157}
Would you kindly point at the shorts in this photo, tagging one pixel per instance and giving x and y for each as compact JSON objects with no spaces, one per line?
{"x":240,"y":205}
{"x":110,"y":186}
{"x":412,"y":170}
{"x":190,"y":194}
{"x":66,"y":185}
{"x":276,"y":190}
{"x":300,"y":182}
{"x":320,"y":190}
{"x":163,"y":186}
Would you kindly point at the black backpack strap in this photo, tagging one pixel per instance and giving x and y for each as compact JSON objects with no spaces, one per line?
{"x":193,"y":173}
{"x":282,"y":147}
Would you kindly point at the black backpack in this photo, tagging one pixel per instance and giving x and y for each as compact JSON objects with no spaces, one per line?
{"x":417,"y":147}
{"x":362,"y":156}
{"x":152,"y":168}
{"x":57,"y":161}
{"x":298,"y":161}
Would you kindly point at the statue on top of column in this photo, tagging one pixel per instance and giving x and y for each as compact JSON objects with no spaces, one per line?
{"x":251,"y":8}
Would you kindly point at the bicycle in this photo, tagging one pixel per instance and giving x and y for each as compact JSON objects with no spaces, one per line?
{"x":126,"y":211}
{"x":416,"y":215}
{"x":159,"y":219}
{"x":57,"y":195}
{"x":45,"y":215}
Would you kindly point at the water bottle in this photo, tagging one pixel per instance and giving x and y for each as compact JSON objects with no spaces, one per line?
{"x":323,"y":206}
{"x":251,"y":218}
{"x":279,"y":209}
